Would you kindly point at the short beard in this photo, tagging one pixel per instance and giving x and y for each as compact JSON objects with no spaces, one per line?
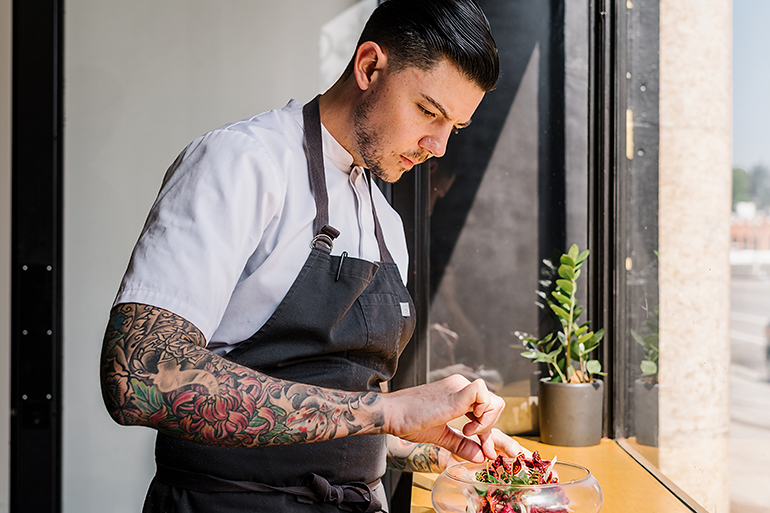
{"x":368,"y":140}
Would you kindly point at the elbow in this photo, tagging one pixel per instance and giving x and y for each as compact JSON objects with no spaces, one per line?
{"x":116,"y":394}
{"x":114,"y":398}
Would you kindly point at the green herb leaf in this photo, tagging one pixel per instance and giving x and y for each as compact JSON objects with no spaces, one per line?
{"x":594,"y":367}
{"x":574,"y":252}
{"x":566,"y":260}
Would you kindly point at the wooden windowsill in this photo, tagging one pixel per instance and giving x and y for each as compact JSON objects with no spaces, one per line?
{"x":628,"y":487}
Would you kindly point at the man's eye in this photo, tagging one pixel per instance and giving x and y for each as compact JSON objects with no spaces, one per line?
{"x":427,"y":112}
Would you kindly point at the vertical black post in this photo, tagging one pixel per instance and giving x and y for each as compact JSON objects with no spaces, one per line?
{"x":603,"y":136}
{"x":36,"y":257}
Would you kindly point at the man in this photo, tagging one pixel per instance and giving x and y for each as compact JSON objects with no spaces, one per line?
{"x":264,"y":306}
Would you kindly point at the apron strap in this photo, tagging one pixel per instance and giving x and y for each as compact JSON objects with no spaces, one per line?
{"x":384,"y":253}
{"x":324,"y":234}
{"x":356,"y":497}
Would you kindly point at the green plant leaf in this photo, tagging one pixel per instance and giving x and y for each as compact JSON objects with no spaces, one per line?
{"x":566,"y":260}
{"x":561,"y":312}
{"x":582,"y":256}
{"x":529,"y":354}
{"x":576,"y":313}
{"x":574,"y":252}
{"x":649,"y":368}
{"x":594,"y":367}
{"x":599,"y":335}
{"x":574,"y":350}
{"x":581,"y":330}
{"x":565,"y":285}
{"x":561,"y":298}
{"x":586,"y":337}
{"x":591,"y":346}
{"x":566,"y":272}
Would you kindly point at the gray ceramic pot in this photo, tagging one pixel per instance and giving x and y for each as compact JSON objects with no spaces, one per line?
{"x":571,"y":413}
{"x":646,"y":413}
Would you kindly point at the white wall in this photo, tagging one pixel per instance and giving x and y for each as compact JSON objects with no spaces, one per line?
{"x":143,"y":78}
{"x":5,"y":245}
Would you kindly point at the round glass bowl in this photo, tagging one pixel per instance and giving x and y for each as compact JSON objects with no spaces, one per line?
{"x":457,"y":491}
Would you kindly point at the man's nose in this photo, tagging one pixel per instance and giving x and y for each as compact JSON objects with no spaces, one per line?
{"x":435,"y":144}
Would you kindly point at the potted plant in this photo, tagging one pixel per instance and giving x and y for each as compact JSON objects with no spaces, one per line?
{"x":571,"y":399}
{"x":646,"y":387}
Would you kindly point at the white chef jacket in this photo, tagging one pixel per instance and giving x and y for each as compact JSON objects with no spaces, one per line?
{"x":232,"y":224}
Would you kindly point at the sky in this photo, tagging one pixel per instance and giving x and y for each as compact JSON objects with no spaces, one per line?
{"x":751,"y":83}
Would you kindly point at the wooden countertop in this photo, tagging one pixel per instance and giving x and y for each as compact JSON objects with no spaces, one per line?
{"x":627,"y":486}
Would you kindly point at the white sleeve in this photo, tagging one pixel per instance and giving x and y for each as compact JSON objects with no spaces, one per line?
{"x":215,"y":203}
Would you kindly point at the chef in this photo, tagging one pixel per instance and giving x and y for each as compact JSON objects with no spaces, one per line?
{"x":264,"y":306}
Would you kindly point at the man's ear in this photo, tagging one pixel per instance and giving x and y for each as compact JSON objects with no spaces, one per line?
{"x":370,"y":61}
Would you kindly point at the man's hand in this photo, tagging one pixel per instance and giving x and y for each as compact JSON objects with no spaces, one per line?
{"x":425,"y":457}
{"x":420,"y":414}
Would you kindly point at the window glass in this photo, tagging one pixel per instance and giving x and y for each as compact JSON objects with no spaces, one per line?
{"x":692,"y":287}
{"x":510,"y":192}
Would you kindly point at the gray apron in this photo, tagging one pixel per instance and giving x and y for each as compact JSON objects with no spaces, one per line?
{"x":342,"y":324}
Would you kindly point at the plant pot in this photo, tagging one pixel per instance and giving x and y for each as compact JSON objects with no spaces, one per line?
{"x":571,"y":413}
{"x":646,"y":413}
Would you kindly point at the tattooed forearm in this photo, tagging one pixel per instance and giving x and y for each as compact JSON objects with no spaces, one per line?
{"x":412,"y":457}
{"x":156,"y":372}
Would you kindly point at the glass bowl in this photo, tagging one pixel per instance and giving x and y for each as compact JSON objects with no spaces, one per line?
{"x":457,"y":491}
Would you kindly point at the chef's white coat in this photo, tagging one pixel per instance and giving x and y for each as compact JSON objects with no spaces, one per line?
{"x":232,"y":225}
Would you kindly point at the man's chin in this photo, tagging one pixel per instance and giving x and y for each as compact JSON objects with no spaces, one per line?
{"x":390,"y":175}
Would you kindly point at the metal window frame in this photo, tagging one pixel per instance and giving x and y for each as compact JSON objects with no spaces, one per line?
{"x":36,"y":256}
{"x":604,"y":131}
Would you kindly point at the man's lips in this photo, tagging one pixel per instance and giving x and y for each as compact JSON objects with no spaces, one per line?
{"x":407,"y":162}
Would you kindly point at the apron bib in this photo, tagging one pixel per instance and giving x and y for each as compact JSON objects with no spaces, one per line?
{"x":342,"y":324}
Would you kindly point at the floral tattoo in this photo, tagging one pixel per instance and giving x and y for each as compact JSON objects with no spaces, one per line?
{"x":156,"y":372}
{"x":413,"y":457}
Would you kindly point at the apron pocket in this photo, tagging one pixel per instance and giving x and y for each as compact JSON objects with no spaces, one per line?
{"x":384,"y":322}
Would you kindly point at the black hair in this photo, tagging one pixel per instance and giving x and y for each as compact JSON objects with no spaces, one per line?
{"x":419,"y":33}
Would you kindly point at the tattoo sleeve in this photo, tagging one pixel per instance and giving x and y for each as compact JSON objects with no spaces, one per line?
{"x":156,"y":372}
{"x":413,"y":457}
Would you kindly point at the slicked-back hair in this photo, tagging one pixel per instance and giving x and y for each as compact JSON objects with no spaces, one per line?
{"x":420,"y":33}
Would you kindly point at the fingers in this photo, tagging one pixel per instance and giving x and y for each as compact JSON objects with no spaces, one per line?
{"x":488,"y":445}
{"x":484,"y":408}
{"x":507,"y":446}
{"x":461,"y":447}
{"x":418,"y":409}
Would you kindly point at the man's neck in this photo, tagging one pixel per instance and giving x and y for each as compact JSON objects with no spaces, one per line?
{"x":336,"y":107}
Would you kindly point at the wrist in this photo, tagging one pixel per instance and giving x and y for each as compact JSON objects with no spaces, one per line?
{"x":385,"y":407}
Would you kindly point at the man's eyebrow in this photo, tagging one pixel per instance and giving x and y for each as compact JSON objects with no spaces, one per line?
{"x":443,"y":111}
